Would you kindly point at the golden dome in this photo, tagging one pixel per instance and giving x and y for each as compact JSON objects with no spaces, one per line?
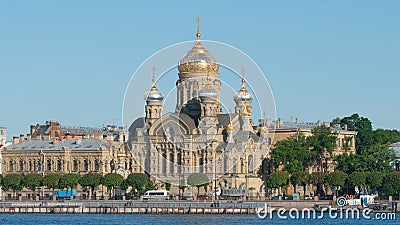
{"x":243,"y":95}
{"x":154,"y":94}
{"x":229,"y":127}
{"x":198,"y":59}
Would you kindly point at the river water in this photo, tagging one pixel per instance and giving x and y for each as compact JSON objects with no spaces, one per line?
{"x":186,"y":219}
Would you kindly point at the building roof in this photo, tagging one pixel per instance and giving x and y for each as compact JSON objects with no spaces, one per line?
{"x":78,"y":144}
{"x":88,"y":130}
{"x":301,"y":126}
{"x":396,"y":148}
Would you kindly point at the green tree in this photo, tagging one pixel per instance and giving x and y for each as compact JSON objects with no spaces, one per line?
{"x":336,"y":180}
{"x":358,"y":179}
{"x":293,"y":153}
{"x":198,"y":180}
{"x":167,"y":185}
{"x":391,"y":183}
{"x":69,"y":180}
{"x":300,"y":178}
{"x":90,"y":180}
{"x":374,"y":180}
{"x":278,"y":180}
{"x":318,"y":179}
{"x":32,"y":181}
{"x":182,"y":186}
{"x":377,"y":158}
{"x":51,"y":181}
{"x":347,"y":163}
{"x":294,"y":166}
{"x":12,"y":181}
{"x":112,"y":180}
{"x":140,"y":183}
{"x":382,"y":136}
{"x":363,"y":126}
{"x":323,"y":142}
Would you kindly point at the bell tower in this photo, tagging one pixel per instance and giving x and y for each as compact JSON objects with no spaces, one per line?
{"x":154,"y":98}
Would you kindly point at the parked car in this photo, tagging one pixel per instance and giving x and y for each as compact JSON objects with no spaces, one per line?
{"x":308,"y":197}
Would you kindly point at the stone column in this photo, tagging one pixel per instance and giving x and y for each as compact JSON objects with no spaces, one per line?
{"x":167,"y":150}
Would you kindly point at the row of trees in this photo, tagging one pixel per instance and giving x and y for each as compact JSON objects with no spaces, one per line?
{"x":137,"y":183}
{"x":338,"y":181}
{"x":33,"y":181}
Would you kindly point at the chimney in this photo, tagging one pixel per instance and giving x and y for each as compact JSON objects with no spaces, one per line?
{"x":297,"y":120}
{"x":345,"y":127}
{"x":78,"y":141}
{"x":21,"y":138}
{"x":280,"y":122}
{"x":15,"y":140}
{"x":268,"y":122}
{"x":33,"y":129}
{"x":28,"y":137}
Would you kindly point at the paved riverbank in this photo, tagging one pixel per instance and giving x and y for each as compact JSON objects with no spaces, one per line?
{"x":138,"y":207}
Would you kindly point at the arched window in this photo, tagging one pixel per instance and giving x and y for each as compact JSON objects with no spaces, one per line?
{"x":11,"y":165}
{"x":39,"y":165}
{"x":96,"y":165}
{"x":171,"y":163}
{"x":164,"y":163}
{"x":48,"y":165}
{"x":85,"y":165}
{"x":75,"y":165}
{"x":250,"y":164}
{"x":21,"y":165}
{"x":59,"y":165}
{"x":179,"y":162}
{"x":30,"y":166}
{"x":154,"y":113}
{"x":225,"y":165}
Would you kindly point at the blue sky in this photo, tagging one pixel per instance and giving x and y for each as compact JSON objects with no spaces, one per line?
{"x":71,"y":61}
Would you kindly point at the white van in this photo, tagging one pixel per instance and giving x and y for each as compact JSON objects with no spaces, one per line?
{"x":156,"y":195}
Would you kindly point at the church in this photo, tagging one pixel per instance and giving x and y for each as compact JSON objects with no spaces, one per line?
{"x":199,"y":137}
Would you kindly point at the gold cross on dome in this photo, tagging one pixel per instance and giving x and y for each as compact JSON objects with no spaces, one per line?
{"x":242,"y":75}
{"x":153,"y":79}
{"x":198,"y":29}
